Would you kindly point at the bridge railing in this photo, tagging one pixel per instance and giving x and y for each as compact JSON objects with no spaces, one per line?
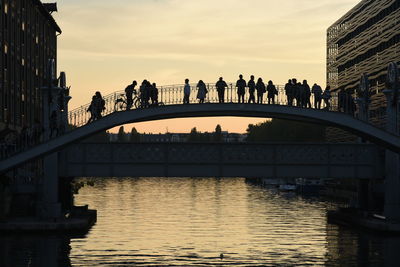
{"x":173,"y":95}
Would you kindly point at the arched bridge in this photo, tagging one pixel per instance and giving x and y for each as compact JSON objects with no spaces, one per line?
{"x":324,"y":117}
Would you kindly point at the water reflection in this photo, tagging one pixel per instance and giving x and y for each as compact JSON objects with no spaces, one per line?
{"x":34,"y":250}
{"x":153,"y":222}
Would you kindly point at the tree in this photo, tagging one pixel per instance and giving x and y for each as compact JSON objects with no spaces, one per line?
{"x":121,"y":135}
{"x":278,"y":130}
{"x":193,"y":136}
{"x":218,"y":134}
{"x":135,"y":136}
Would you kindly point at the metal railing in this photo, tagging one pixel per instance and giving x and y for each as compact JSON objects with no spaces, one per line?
{"x":173,"y":95}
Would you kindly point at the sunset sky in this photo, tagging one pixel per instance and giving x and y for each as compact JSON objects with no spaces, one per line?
{"x":107,"y":44}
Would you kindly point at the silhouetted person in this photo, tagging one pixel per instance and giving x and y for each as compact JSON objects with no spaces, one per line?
{"x":302,"y":95}
{"x":299,"y":95}
{"x":289,"y":92}
{"x":271,"y":89}
{"x":260,"y":87}
{"x":252,"y":89}
{"x":202,"y":91}
{"x":317,"y":91}
{"x":350,"y":105}
{"x":37,"y":130}
{"x":129,"y":94}
{"x":154,"y":94}
{"x":307,"y":94}
{"x":186,"y":92}
{"x":295,"y":92}
{"x":221,"y":85}
{"x":143,"y":94}
{"x":326,"y":96}
{"x":241,"y":88}
{"x":100,"y":105}
{"x":342,"y":100}
{"x":53,"y":124}
{"x":92,"y":109}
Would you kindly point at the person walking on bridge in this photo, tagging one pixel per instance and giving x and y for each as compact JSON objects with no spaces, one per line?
{"x":252,"y":88}
{"x":202,"y":91}
{"x":186,"y":92}
{"x":154,"y":95}
{"x":307,"y":94}
{"x":271,"y":89}
{"x":221,"y":85}
{"x":317,"y":91}
{"x":241,"y":88}
{"x":326,"y":96}
{"x":100,"y":105}
{"x":260,"y":86}
{"x":129,"y":93}
{"x":289,"y":93}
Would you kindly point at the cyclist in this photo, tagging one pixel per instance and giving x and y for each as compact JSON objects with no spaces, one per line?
{"x":129,"y":92}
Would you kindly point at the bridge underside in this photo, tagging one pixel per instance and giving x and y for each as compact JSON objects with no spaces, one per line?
{"x":221,"y":160}
{"x":336,"y":119}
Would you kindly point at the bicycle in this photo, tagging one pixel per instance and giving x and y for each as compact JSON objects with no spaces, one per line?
{"x":121,"y":104}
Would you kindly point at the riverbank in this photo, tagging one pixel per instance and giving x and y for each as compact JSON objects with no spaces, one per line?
{"x":80,"y":220}
{"x":353,"y":218}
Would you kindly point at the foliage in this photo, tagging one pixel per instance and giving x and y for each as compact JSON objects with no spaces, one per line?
{"x":121,"y":138}
{"x":135,"y":136}
{"x":196,"y":136}
{"x":218,"y":134}
{"x":278,"y":130}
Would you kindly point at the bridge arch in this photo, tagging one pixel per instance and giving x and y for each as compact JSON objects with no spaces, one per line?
{"x":336,"y":119}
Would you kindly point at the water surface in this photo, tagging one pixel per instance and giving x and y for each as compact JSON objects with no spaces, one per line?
{"x":188,"y":221}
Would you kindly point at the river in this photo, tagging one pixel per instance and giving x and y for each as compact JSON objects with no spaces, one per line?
{"x":198,"y":222}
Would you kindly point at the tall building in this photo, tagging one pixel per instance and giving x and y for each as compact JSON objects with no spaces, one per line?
{"x":28,"y":39}
{"x":365,"y":40}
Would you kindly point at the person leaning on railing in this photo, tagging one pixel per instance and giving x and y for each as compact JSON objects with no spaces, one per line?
{"x":221,"y":85}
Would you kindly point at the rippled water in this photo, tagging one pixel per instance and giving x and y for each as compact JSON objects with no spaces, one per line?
{"x":171,"y":221}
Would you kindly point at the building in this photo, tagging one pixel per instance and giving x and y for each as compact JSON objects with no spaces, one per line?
{"x":28,"y":39}
{"x":365,"y":40}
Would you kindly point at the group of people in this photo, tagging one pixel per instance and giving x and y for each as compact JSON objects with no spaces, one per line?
{"x":346,"y":102}
{"x":241,"y":86}
{"x":148,"y":94}
{"x":299,"y":94}
{"x":96,"y":107}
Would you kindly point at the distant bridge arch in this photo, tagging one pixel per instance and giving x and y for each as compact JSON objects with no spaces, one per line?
{"x":335,"y":119}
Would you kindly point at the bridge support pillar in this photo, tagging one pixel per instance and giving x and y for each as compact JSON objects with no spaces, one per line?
{"x":50,"y":207}
{"x":392,"y":165}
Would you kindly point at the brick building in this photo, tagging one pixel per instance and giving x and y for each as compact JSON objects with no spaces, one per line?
{"x":28,"y":39}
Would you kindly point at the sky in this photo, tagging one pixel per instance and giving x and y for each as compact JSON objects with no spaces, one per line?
{"x":107,"y":44}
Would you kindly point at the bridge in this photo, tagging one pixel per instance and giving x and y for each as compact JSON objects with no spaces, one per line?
{"x":250,"y":160}
{"x":65,"y":157}
{"x":329,"y":118}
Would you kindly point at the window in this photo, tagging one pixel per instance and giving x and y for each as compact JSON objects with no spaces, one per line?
{"x":5,"y":56}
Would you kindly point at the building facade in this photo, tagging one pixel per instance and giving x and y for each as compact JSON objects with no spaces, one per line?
{"x":365,"y":40}
{"x":28,"y":39}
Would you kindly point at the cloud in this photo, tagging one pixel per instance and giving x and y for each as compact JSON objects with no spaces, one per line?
{"x":163,"y":39}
